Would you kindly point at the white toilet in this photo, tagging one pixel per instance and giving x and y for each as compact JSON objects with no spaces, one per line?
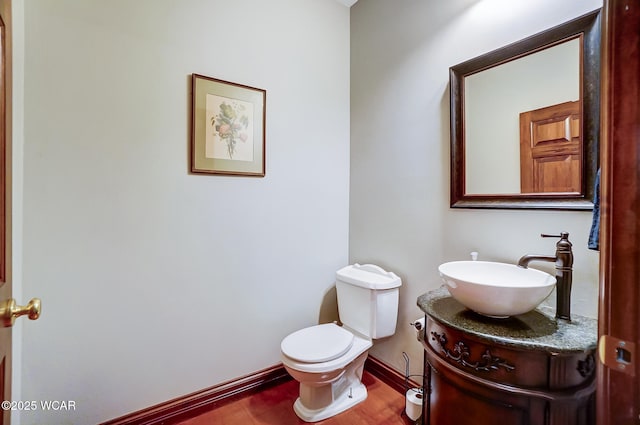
{"x":328,"y":359}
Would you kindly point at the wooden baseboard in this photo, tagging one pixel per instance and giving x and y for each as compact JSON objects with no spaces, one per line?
{"x":182,"y":408}
{"x":388,"y":375}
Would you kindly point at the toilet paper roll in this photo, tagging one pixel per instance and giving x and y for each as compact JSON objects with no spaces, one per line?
{"x":413,"y":406}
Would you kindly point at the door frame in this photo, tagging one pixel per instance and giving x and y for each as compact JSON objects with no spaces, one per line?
{"x":618,"y":393}
{"x":6,"y":121}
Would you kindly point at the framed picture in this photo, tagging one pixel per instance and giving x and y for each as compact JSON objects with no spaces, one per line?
{"x":227,"y":128}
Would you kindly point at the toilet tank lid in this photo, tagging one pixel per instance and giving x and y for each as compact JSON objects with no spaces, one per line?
{"x":368,"y":276}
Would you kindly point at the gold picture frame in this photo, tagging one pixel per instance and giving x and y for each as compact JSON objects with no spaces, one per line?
{"x":227,"y":128}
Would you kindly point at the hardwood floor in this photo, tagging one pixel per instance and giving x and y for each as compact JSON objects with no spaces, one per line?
{"x":274,"y":406}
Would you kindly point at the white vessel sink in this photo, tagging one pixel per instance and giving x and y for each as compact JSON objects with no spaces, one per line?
{"x":496,"y":289}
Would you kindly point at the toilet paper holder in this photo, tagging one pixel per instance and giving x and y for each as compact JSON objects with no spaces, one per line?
{"x":407,"y":376}
{"x":418,"y":324}
{"x":413,"y":395}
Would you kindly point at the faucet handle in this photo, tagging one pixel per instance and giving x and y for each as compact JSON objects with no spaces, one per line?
{"x":562,"y":235}
{"x":563,"y":245}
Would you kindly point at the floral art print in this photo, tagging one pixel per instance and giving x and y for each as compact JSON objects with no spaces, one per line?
{"x":229,"y":129}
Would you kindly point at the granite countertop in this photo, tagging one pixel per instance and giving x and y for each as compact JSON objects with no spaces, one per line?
{"x":537,"y":329}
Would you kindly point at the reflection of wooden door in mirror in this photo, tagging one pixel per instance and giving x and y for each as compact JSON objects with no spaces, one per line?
{"x":550,"y":149}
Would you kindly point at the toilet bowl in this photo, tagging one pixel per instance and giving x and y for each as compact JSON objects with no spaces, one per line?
{"x":327,"y":360}
{"x":333,"y":384}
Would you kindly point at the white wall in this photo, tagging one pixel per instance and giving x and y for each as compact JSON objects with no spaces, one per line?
{"x":156,"y":283}
{"x":401,"y":52}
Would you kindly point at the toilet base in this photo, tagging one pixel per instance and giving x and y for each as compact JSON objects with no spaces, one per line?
{"x":325,"y":394}
{"x":349,"y":398}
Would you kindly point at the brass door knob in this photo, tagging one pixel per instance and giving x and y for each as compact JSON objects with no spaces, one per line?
{"x":9,"y":310}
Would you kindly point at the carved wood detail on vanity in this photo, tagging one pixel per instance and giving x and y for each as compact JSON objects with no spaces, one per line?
{"x":587,"y":367}
{"x":461,"y":354}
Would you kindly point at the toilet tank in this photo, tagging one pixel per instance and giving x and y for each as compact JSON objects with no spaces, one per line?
{"x":368,"y":299}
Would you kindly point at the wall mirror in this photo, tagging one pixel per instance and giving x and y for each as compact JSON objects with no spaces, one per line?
{"x":525,"y":121}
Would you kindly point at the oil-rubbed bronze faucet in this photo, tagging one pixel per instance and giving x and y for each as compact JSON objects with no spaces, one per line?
{"x":564,"y":272}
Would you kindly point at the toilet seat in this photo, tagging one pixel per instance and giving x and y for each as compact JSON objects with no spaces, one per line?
{"x":358,"y":346}
{"x":317,"y":344}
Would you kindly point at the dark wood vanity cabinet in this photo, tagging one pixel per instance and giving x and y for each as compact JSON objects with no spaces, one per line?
{"x":528,"y":369}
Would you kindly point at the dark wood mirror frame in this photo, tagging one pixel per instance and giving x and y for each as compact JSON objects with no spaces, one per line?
{"x":589,"y":26}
